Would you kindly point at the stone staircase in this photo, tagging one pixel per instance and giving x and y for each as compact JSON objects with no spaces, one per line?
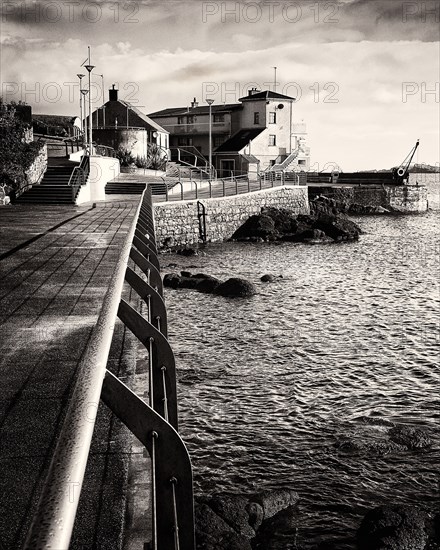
{"x":54,"y":187}
{"x":158,"y":186}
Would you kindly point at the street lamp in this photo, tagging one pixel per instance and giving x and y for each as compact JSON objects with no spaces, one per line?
{"x":210,"y":102}
{"x":80,"y":76}
{"x":102,"y":93}
{"x":90,"y":68}
{"x":84,"y":92}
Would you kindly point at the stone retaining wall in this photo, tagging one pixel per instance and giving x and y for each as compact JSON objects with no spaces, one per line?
{"x":177,"y":223}
{"x":406,"y":199}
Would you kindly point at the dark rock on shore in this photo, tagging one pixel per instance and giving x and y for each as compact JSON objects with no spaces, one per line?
{"x":236,"y":288}
{"x":186,"y":252}
{"x":229,"y":522}
{"x":324,"y":224}
{"x":412,"y":438}
{"x":393,"y":527}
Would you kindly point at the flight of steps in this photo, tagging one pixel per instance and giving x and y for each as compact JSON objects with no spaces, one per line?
{"x":158,"y":186}
{"x":124,"y":188}
{"x":54,"y":188}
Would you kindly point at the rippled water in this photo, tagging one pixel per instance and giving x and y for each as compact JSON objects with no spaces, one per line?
{"x":298,"y":386}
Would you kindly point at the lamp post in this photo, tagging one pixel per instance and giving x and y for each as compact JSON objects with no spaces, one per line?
{"x":80,"y":76}
{"x":90,"y":68}
{"x":210,"y":102}
{"x":84,"y":92}
{"x":102,"y":94}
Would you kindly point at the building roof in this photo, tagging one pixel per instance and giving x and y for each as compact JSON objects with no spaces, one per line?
{"x":55,"y":120}
{"x":250,"y":158}
{"x":265,"y":95}
{"x":239,"y":140}
{"x":143,"y":117}
{"x":203,"y":109}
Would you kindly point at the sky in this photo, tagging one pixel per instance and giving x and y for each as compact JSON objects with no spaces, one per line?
{"x":365,"y":73}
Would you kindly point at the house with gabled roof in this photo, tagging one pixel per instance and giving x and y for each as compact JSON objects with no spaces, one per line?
{"x":259,"y":133}
{"x":119,"y":124}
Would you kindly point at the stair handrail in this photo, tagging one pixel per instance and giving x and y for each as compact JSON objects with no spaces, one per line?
{"x":79,"y":175}
{"x":283,"y":165}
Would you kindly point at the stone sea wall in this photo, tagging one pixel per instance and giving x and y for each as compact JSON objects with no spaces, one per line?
{"x":177,"y":223}
{"x":405,"y":199}
{"x":36,"y":171}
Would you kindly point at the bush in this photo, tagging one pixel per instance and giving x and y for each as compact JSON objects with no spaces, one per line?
{"x":125,"y":156}
{"x":16,"y":154}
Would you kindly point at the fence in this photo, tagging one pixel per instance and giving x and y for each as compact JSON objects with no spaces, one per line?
{"x":155,"y":424}
{"x":224,"y":187}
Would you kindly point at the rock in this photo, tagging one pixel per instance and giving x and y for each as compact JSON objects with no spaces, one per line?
{"x":256,"y":514}
{"x":185,"y":274}
{"x":267,"y":278}
{"x":213,"y":533}
{"x":339,"y":228}
{"x":413,"y":438}
{"x":186,"y":252}
{"x":233,"y":509}
{"x":324,"y":224}
{"x":393,"y":527}
{"x":236,"y":288}
{"x":207,"y":284}
{"x":273,"y":502}
{"x":278,"y":530}
{"x":260,"y":226}
{"x":172,"y":280}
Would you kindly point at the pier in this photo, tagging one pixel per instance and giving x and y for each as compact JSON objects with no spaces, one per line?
{"x":62,"y":276}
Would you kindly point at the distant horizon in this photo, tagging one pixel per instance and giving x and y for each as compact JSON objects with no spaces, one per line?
{"x":364,"y":72}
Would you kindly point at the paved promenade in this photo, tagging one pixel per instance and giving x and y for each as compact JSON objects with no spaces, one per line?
{"x":55,"y":266}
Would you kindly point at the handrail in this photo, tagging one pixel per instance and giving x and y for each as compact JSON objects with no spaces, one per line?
{"x":154,"y":424}
{"x":79,"y":175}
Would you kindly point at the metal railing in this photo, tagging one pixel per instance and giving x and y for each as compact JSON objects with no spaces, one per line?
{"x":155,"y":424}
{"x":79,"y":175}
{"x":104,"y":150}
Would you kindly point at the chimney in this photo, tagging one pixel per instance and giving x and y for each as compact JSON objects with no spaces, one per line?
{"x":253,"y":91}
{"x":194,"y":104}
{"x":113,"y":94}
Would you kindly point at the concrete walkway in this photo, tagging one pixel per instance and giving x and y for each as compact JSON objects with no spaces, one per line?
{"x":55,"y":266}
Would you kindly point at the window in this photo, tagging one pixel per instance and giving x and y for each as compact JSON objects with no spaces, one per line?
{"x":190,"y":119}
{"x":184,"y":141}
{"x":272,"y":118}
{"x":219,"y":118}
{"x":218,"y":140}
{"x":180,"y":120}
{"x":301,"y":161}
{"x":272,"y":139}
{"x":256,"y":118}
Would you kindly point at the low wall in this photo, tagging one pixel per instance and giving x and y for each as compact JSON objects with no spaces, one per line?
{"x":177,"y":223}
{"x":102,"y":170}
{"x":405,"y":199}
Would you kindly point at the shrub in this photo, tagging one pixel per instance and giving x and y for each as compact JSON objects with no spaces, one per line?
{"x":125,"y":156}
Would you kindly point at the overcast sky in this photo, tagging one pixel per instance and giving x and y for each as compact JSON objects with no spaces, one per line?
{"x":365,"y":72}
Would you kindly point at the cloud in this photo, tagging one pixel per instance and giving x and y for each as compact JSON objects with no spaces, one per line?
{"x":169,"y":56}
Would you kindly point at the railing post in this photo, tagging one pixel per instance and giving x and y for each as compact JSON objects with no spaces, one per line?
{"x":236,"y":186}
{"x":210,"y":189}
{"x":196,"y":190}
{"x":224,"y":190}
